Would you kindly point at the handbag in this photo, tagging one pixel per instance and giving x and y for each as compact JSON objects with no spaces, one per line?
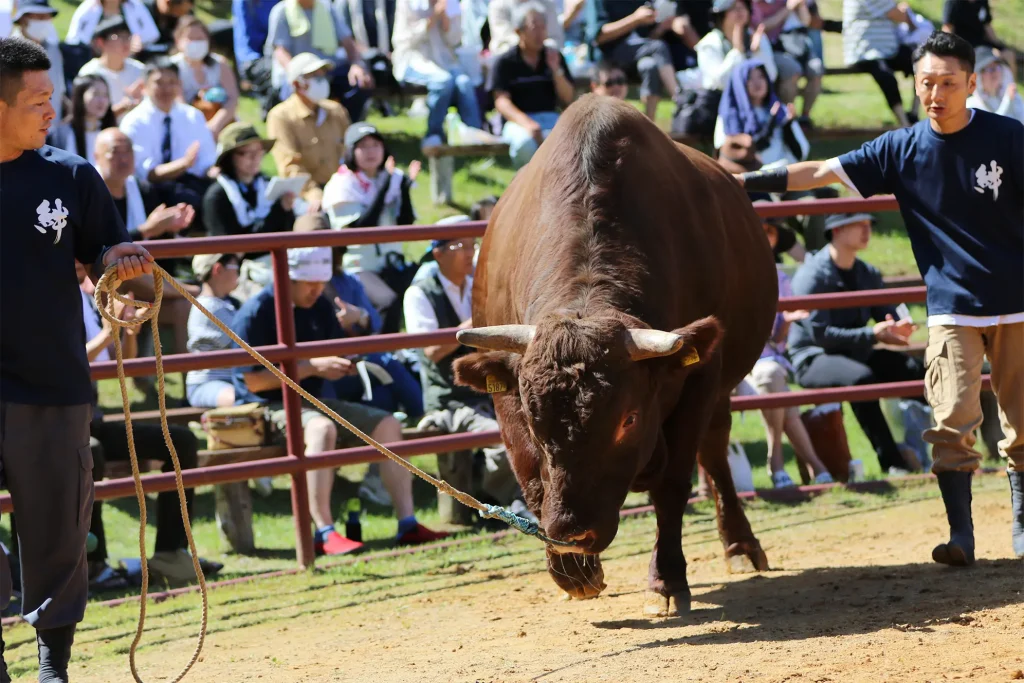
{"x":696,"y":113}
{"x":828,"y":436}
{"x":243,"y":426}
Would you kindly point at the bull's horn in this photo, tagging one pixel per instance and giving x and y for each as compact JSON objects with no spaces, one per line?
{"x":512,"y":338}
{"x":644,"y":344}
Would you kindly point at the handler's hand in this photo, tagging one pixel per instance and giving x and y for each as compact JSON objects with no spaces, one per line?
{"x":131,"y":259}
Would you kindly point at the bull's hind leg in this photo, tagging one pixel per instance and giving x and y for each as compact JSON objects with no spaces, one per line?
{"x":742,"y":550}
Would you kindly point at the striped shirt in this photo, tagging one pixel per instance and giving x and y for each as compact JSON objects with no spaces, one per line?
{"x":867,"y":33}
{"x":204,"y":336}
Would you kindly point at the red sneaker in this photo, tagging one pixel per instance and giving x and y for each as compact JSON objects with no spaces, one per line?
{"x":336,"y":544}
{"x":420,"y":534}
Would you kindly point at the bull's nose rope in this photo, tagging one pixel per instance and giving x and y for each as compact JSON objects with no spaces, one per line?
{"x":109,"y":284}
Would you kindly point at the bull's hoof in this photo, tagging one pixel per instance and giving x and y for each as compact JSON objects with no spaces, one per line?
{"x":658,"y":605}
{"x":745,"y":558}
{"x":580,"y":576}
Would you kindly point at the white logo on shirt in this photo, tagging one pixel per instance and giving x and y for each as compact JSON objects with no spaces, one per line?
{"x":989,"y":179}
{"x":55,"y":218}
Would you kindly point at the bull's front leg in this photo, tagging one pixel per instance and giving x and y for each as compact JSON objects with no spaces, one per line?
{"x":668,"y":592}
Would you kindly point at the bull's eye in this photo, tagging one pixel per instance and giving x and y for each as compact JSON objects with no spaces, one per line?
{"x":630,"y":420}
{"x":625,"y":427}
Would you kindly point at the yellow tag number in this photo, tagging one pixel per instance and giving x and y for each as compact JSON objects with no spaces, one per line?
{"x":495,"y":385}
{"x":691,"y":357}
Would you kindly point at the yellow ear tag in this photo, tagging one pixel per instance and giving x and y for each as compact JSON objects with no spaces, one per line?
{"x":495,"y":385}
{"x":691,"y":357}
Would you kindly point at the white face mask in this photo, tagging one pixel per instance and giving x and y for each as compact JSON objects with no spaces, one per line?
{"x":197,"y":49}
{"x":41,"y":31}
{"x":317,"y":89}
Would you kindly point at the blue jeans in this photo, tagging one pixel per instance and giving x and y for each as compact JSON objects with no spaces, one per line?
{"x":403,"y":393}
{"x":521,"y":145}
{"x":444,"y":89}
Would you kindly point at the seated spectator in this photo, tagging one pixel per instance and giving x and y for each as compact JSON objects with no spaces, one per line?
{"x":308,"y":129}
{"x":174,"y":150}
{"x":729,"y":44}
{"x":608,"y":79}
{"x":207,"y":80}
{"x":481,"y":210}
{"x":251,"y":26}
{"x":33,"y":20}
{"x":972,"y":21}
{"x":91,"y":13}
{"x":625,"y":36}
{"x":446,"y":301}
{"x":316,"y":27}
{"x":426,"y":35}
{"x":835,"y":348}
{"x":996,"y":90}
{"x":255,"y":323}
{"x":427,"y":265}
{"x":218,"y":276}
{"x":165,"y":14}
{"x":236,"y":203}
{"x":372,"y":23}
{"x":871,"y":44}
{"x":125,"y":76}
{"x":501,"y":21}
{"x":529,"y":83}
{"x":90,"y":113}
{"x":787,"y":25}
{"x":170,"y":560}
{"x":770,"y":376}
{"x":368,"y":191}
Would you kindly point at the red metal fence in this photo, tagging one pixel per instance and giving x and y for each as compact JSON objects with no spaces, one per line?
{"x":288,"y":352}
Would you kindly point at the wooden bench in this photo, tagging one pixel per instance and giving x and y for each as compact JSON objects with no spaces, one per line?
{"x":441,"y":163}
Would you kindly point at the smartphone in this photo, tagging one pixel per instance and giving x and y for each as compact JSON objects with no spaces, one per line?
{"x":902,"y":312}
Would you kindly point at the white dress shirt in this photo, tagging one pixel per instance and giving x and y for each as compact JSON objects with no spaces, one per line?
{"x":420,"y":315}
{"x":144,"y":125}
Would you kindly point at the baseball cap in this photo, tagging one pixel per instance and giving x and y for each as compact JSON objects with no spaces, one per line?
{"x":838,"y":220}
{"x":359,"y":131}
{"x":202,"y":265}
{"x":305,"y":64}
{"x":985,"y":56}
{"x":34,"y":7}
{"x":111,"y":25}
{"x":310,"y":264}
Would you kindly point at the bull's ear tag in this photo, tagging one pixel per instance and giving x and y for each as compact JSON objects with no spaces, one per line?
{"x":691,"y":357}
{"x":495,"y":385}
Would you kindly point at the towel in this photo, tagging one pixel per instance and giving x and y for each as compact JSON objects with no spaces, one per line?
{"x":737,"y":113}
{"x":246,"y":215}
{"x":324,"y":39}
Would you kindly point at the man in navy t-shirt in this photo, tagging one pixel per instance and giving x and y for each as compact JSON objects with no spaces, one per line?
{"x":959,"y":180}
{"x":54,"y":209}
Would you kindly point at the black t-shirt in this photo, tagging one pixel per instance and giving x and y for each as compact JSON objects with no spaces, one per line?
{"x":531,"y":89}
{"x":54,"y":210}
{"x":968,"y":19}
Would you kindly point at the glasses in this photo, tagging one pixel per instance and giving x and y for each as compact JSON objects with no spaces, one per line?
{"x":615,"y":81}
{"x":459,"y":246}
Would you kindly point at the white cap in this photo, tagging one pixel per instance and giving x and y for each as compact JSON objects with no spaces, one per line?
{"x":305,"y":64}
{"x":310,"y":264}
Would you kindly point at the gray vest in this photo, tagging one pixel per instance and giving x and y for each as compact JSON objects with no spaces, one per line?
{"x":439,"y":389}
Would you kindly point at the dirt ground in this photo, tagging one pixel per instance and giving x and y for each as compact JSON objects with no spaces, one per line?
{"x":853,"y":597}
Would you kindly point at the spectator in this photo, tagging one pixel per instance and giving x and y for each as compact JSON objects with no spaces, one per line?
{"x":236,"y":203}
{"x":33,"y":21}
{"x":481,"y":210}
{"x":834,"y":348}
{"x":170,"y":561}
{"x":787,"y":26}
{"x":608,"y":79}
{"x":90,"y":113}
{"x":207,"y":80}
{"x":174,"y":149}
{"x":443,"y":301}
{"x":871,"y":44}
{"x":730,"y":43}
{"x":972,"y":21}
{"x":624,"y":35}
{"x":426,"y":35}
{"x":218,"y":276}
{"x":309,"y":269}
{"x":314,"y":26}
{"x":91,"y":13}
{"x":308,"y":129}
{"x":372,"y":23}
{"x":166,"y":14}
{"x":125,"y":76}
{"x":251,"y":26}
{"x":995,"y":90}
{"x":501,"y":20}
{"x":368,"y":191}
{"x":529,"y":83}
{"x":428,"y":266}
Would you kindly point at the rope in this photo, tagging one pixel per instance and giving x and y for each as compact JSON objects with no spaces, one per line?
{"x":109,"y":284}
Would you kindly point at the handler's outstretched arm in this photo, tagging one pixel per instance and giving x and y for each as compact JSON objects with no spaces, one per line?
{"x":806,"y":175}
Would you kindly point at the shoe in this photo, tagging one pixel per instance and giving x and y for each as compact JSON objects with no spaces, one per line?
{"x":519,"y":509}
{"x":956,"y":494}
{"x":420,"y":534}
{"x":431,"y":141}
{"x":372,"y":489}
{"x":103,"y":577}
{"x":1017,"y":500}
{"x":173,"y":566}
{"x":336,"y":544}
{"x":54,"y":653}
{"x":782,"y":480}
{"x":824,"y":478}
{"x":898,"y":472}
{"x":264,"y":486}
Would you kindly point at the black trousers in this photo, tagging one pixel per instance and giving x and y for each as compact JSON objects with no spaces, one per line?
{"x":833,"y":370}
{"x":884,"y":73}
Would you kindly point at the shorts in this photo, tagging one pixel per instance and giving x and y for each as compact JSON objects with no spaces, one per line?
{"x":363,"y":417}
{"x":205,"y":395}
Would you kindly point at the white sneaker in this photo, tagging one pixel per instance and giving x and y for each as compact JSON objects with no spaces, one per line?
{"x":372,"y":489}
{"x":264,"y":486}
{"x":431,"y":141}
{"x":898,"y":472}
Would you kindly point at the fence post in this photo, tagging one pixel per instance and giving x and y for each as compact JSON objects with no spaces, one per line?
{"x":292,"y":409}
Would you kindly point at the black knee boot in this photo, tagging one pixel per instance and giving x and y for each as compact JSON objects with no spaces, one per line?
{"x":55,"y":653}
{"x":956,"y":494}
{"x":1017,"y":496}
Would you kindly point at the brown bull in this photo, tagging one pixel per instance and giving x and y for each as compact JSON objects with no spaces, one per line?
{"x":624,"y":287}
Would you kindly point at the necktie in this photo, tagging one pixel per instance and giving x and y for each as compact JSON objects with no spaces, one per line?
{"x":167,"y":139}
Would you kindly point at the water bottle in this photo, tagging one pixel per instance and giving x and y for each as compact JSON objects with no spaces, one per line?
{"x":453,"y":126}
{"x":353,"y":527}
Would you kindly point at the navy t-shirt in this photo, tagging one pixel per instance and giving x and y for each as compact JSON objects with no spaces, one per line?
{"x":54,"y":209}
{"x":962,"y":199}
{"x":256,"y":324}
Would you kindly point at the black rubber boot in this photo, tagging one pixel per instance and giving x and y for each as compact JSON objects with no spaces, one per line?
{"x":55,"y":653}
{"x":1017,"y":496}
{"x":956,"y":494}
{"x":4,"y":676}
